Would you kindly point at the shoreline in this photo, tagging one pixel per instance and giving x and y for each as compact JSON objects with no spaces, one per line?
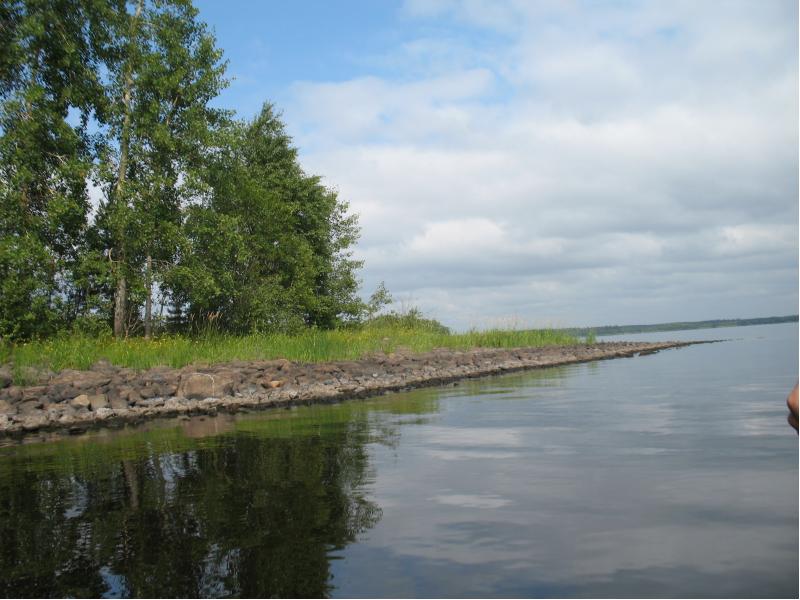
{"x":109,"y":396}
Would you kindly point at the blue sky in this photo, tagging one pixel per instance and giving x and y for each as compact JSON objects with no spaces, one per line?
{"x":270,"y":45}
{"x":544,"y":163}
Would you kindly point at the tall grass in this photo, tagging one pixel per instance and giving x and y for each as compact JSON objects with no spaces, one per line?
{"x":78,"y":352}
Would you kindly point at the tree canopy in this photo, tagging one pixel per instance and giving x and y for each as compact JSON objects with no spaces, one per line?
{"x":192,"y":211}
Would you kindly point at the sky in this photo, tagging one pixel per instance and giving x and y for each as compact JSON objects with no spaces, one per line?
{"x":529,"y":163}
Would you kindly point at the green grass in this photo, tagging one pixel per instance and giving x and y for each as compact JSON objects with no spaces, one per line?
{"x":76,"y":352}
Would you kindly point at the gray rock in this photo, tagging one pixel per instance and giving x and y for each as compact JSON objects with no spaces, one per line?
{"x":34,"y":393}
{"x":98,"y":401}
{"x":34,"y":420}
{"x":118,"y":403}
{"x":6,"y":377}
{"x":147,"y":391}
{"x":150,"y":402}
{"x":28,"y":406}
{"x":205,"y":385}
{"x":86,"y":380}
{"x":81,"y":401}
{"x":103,"y":413}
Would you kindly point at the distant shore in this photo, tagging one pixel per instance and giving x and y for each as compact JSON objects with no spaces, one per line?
{"x":677,"y":326}
{"x":108,"y":395}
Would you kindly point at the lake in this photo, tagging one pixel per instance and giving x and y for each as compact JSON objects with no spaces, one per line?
{"x":674,"y":474}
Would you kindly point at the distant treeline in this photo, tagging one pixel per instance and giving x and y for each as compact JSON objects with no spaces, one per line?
{"x":677,"y":326}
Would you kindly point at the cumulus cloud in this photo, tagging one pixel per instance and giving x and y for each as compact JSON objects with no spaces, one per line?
{"x":571,"y":163}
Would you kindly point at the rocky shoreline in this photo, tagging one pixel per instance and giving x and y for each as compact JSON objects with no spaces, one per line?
{"x":108,"y":395}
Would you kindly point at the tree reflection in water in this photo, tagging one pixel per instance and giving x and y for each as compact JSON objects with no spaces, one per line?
{"x":256,"y":512}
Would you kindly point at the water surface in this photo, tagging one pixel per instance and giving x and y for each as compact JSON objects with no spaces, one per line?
{"x":673,"y":474}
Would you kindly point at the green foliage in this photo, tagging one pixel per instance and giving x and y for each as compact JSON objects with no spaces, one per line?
{"x":26,"y":288}
{"x":267,"y":250}
{"x":216,"y":215}
{"x":411,"y":319}
{"x":379,"y":299}
{"x":49,"y":66}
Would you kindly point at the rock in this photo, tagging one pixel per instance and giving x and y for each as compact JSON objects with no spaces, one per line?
{"x":275,"y":383}
{"x":28,"y":406}
{"x":5,"y":407}
{"x":205,"y":385}
{"x":147,"y":391}
{"x":6,"y":377}
{"x":103,"y":413}
{"x":34,"y":392}
{"x":66,"y":377}
{"x":177,"y":404}
{"x":85,"y":380}
{"x":118,"y":403}
{"x":150,"y":402}
{"x":34,"y":420}
{"x":60,"y":391}
{"x":167,"y":389}
{"x":14,"y":393}
{"x":98,"y":401}
{"x":81,"y":401}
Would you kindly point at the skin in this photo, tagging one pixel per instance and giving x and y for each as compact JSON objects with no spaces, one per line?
{"x":791,"y":402}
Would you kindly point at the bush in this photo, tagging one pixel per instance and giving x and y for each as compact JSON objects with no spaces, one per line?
{"x":92,"y":326}
{"x":412,"y":319}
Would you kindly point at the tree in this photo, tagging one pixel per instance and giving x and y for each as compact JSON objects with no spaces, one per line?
{"x":215,"y":213}
{"x":49,"y":89}
{"x":379,"y":299}
{"x":280,"y":257}
{"x":159,"y":125}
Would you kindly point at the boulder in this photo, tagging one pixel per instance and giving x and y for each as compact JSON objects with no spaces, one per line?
{"x":205,"y":385}
{"x":147,"y":391}
{"x":150,"y":402}
{"x":103,"y":413}
{"x":86,"y":380}
{"x":118,"y":403}
{"x":81,"y":401}
{"x":34,"y":393}
{"x":5,"y":407}
{"x":6,"y":377}
{"x":60,"y":391}
{"x":28,"y":406}
{"x":34,"y":420}
{"x":97,"y":401}
{"x":102,"y":365}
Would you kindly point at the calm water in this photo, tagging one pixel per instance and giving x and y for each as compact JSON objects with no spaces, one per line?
{"x":674,"y":474}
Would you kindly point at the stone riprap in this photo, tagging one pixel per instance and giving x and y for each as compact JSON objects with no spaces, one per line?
{"x":107,"y":394}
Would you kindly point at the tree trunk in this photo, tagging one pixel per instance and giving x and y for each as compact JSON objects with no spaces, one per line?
{"x":120,"y":296}
{"x":148,"y":303}
{"x":120,"y":301}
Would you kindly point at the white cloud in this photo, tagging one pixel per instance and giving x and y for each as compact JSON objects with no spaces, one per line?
{"x":591,"y":164}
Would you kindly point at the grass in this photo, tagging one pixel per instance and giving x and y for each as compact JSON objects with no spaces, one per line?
{"x":77,"y":352}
